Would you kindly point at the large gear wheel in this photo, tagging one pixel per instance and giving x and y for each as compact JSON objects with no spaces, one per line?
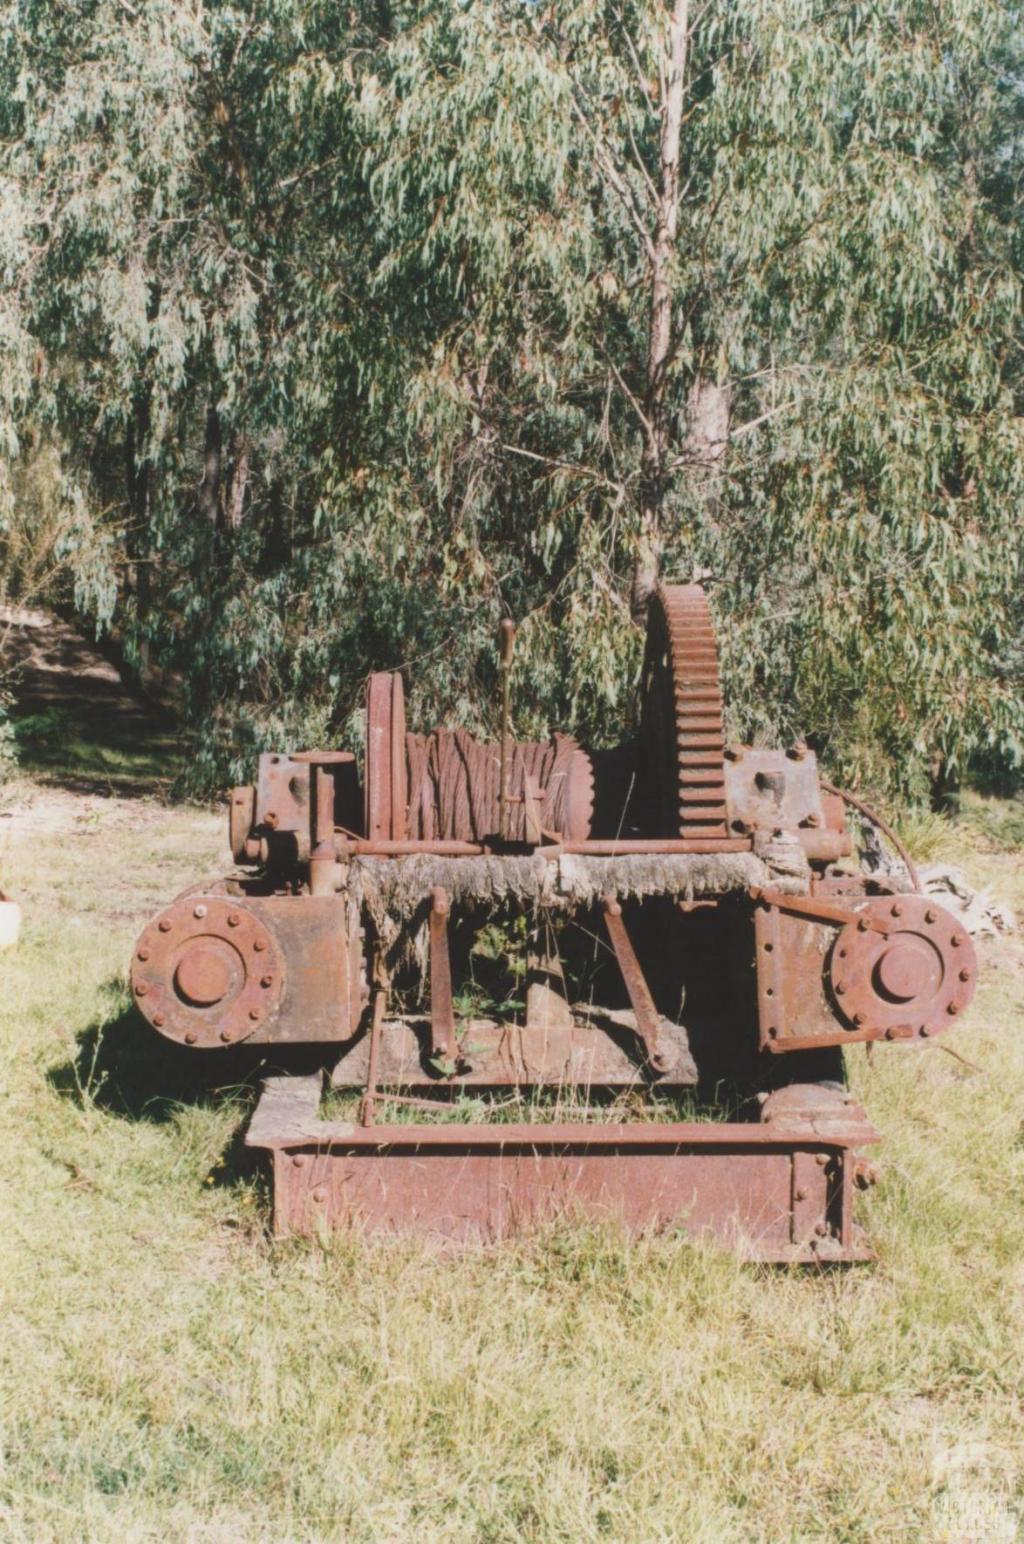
{"x":682,"y":731}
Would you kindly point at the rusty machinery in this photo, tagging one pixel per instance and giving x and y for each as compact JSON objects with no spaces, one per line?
{"x":690,"y":922}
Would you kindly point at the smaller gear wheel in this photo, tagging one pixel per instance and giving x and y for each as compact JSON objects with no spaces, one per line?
{"x":909,"y":981}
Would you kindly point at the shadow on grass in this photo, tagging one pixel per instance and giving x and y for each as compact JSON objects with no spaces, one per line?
{"x":124,"y":1068}
{"x":89,"y":748}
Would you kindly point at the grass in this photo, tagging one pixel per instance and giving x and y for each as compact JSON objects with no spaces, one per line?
{"x":167,"y":1373}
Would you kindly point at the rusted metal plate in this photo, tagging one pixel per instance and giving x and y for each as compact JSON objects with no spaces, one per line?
{"x":604,"y":1052}
{"x":466,"y":1183}
{"x":839,"y":971}
{"x":212,"y":970}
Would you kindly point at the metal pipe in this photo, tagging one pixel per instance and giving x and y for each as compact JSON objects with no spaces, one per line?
{"x":508,"y":642}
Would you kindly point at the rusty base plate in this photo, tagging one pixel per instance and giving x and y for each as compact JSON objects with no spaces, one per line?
{"x":779,"y":1191}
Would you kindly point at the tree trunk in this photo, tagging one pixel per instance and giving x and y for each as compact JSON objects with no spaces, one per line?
{"x":209,"y":490}
{"x":650,"y":542}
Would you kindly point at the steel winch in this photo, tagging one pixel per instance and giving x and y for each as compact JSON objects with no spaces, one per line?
{"x":692,"y":924}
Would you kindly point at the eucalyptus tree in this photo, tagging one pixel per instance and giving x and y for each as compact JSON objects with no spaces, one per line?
{"x":354,"y":328}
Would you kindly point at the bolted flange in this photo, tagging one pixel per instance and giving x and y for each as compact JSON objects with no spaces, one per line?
{"x":208,"y":972}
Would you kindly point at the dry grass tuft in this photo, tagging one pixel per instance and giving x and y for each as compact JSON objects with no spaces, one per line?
{"x":169,"y":1374}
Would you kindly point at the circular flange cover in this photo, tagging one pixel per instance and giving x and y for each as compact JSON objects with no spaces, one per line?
{"x":206,"y":971}
{"x":910,"y":981}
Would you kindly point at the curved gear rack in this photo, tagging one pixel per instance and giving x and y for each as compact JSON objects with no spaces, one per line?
{"x":682,"y":724}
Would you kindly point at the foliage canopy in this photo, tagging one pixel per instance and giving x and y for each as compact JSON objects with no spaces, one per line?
{"x":332,"y":328}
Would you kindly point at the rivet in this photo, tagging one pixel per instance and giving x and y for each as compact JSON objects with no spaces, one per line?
{"x":191,"y":1037}
{"x":319,"y":1194}
{"x":768,"y":948}
{"x":842,"y":954}
{"x":143,"y":954}
{"x":733,"y":752}
{"x":952,"y":1008}
{"x":931,"y":915}
{"x":254,"y":1014}
{"x":159,"y":1019}
{"x":800,"y":1195}
{"x":164,"y":924}
{"x":956,"y":939}
{"x":141,"y":988}
{"x":227,"y":1036}
{"x":862,"y":924}
{"x":233,"y":919}
{"x":199,"y":911}
{"x":299,"y":1160}
{"x":772,"y":1032}
{"x":926,"y":1030}
{"x":797,"y":752}
{"x":840,"y":988}
{"x":965,"y":974}
{"x":812,"y":820}
{"x":821,"y":1159}
{"x":267,"y":980}
{"x":860,"y":1019}
{"x":820,"y":1229}
{"x":896,"y":909}
{"x":259,"y":944}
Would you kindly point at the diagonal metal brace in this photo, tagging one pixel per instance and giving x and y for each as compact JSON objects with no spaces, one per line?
{"x":444,"y":1044}
{"x":648,"y":1020}
{"x":816,"y":910}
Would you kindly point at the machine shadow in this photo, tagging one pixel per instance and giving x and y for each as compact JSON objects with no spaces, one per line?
{"x":124,"y":1068}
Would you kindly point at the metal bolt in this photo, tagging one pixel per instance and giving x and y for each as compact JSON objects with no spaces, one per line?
{"x":143,"y":954}
{"x":164,"y":924}
{"x":931,"y":915}
{"x":227,"y":1036}
{"x":896,"y":909}
{"x":199,"y":911}
{"x":926,"y":1030}
{"x":141,"y":988}
{"x":860,"y":1019}
{"x":952,"y":1008}
{"x":840,"y":988}
{"x":267,"y":980}
{"x":254,"y":1014}
{"x":259,"y":944}
{"x":965,"y":974}
{"x":233,"y":919}
{"x":159,"y":1019}
{"x":956,"y":939}
{"x":191,"y":1037}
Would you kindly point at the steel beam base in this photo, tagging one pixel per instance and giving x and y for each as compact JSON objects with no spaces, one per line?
{"x":781,"y":1190}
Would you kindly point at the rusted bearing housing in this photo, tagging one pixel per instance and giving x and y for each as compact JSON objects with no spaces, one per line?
{"x":910,"y":981}
{"x":207,"y":972}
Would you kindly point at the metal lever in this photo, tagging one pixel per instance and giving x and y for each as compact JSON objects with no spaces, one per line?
{"x":507,"y":648}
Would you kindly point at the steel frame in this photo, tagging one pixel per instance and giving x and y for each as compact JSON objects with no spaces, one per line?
{"x":778,"y":1192}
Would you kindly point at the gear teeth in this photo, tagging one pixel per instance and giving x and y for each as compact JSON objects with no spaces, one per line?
{"x":700,"y":730}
